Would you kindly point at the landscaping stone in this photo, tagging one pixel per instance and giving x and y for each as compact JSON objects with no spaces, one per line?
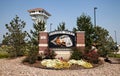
{"x":14,"y":67}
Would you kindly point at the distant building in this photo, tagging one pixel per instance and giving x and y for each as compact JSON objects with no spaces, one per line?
{"x":118,"y":49}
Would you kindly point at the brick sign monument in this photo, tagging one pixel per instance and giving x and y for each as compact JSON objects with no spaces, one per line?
{"x":61,"y":42}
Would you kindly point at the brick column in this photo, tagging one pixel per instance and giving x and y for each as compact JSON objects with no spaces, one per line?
{"x":43,"y":41}
{"x":80,"y":40}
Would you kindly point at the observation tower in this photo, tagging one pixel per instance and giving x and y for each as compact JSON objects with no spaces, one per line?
{"x":39,"y":15}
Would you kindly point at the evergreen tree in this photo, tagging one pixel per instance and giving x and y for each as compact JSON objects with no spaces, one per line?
{"x":97,"y":35}
{"x":84,"y":24}
{"x":103,"y":40}
{"x":15,"y":37}
{"x":61,"y":27}
{"x":33,"y":53}
{"x":40,"y":26}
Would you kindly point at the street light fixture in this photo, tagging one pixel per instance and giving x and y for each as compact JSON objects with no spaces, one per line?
{"x":115,"y":37}
{"x":95,"y":16}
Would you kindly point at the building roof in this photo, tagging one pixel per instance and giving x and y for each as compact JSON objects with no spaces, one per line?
{"x":39,"y":9}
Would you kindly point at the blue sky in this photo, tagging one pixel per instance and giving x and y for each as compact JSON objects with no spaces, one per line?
{"x":107,"y":14}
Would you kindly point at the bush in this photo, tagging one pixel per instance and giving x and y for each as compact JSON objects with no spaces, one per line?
{"x":76,"y":54}
{"x":4,"y":54}
{"x":92,"y":57}
{"x":103,"y":53}
{"x":13,"y":52}
{"x":49,"y":54}
{"x":32,"y":56}
{"x":114,"y":55}
{"x":4,"y":51}
{"x":26,"y":50}
{"x":87,"y":49}
{"x":4,"y":48}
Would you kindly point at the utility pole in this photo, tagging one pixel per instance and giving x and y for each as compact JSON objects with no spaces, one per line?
{"x":116,"y":47}
{"x":115,"y":37}
{"x":95,"y":16}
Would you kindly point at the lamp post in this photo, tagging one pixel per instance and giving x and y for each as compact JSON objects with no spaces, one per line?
{"x":116,"y":47}
{"x":115,"y":37}
{"x":50,"y":27}
{"x":95,"y":16}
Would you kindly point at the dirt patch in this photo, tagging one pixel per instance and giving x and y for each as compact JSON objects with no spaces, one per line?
{"x":0,"y":72}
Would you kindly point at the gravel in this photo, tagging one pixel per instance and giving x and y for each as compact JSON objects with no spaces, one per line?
{"x":14,"y":67}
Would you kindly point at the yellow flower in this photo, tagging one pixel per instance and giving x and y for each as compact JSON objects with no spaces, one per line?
{"x":58,"y":64}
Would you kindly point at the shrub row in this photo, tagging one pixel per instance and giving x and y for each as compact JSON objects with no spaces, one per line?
{"x":114,"y":55}
{"x":32,"y":54}
{"x":77,"y":54}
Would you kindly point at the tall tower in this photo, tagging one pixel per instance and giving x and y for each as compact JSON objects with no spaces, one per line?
{"x":39,"y":14}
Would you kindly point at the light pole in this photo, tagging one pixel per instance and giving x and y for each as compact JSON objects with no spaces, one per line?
{"x":95,"y":16}
{"x":115,"y":37}
{"x":116,"y":47}
{"x":50,"y":27}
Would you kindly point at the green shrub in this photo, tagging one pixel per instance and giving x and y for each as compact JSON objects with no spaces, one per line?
{"x":4,"y":51}
{"x":32,"y":55}
{"x":92,"y":57}
{"x":114,"y":55}
{"x":76,"y":54}
{"x":5,"y":48}
{"x":13,"y":52}
{"x":49,"y":54}
{"x":4,"y":54}
{"x":26,"y":50}
{"x":103,"y":53}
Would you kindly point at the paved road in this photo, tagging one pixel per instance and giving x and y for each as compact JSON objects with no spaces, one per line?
{"x":14,"y":67}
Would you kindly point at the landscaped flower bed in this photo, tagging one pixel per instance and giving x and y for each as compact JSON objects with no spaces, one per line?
{"x":60,"y":64}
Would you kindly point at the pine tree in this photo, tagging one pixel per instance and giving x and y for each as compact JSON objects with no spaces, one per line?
{"x":15,"y":37}
{"x":61,"y":27}
{"x":40,"y":26}
{"x":84,"y":24}
{"x":103,"y":40}
{"x":98,"y":35}
{"x":34,"y":41}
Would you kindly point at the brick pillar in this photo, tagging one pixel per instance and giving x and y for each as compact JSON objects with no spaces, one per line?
{"x":43,"y":41}
{"x":80,"y":40}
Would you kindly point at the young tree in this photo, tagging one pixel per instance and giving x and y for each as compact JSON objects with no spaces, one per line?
{"x":15,"y":37}
{"x":103,"y":40}
{"x":97,"y":35}
{"x":61,"y":27}
{"x":84,"y":24}
{"x":34,"y":41}
{"x":40,"y":26}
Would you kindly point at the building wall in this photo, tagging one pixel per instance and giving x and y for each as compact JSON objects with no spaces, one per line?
{"x":118,"y":49}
